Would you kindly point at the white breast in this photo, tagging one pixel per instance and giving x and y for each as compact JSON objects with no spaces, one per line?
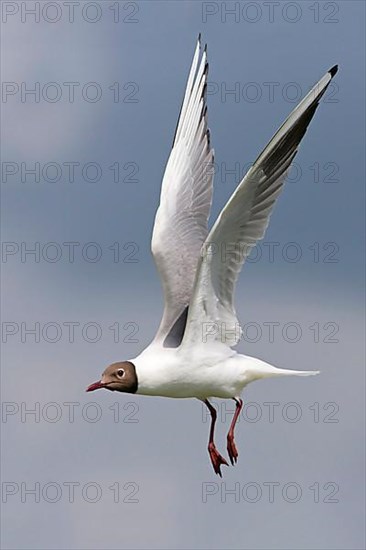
{"x":168,"y":373}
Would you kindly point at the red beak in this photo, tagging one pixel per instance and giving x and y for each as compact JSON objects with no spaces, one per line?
{"x":95,"y":386}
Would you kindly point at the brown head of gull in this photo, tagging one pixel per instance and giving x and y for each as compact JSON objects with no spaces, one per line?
{"x":119,"y":376}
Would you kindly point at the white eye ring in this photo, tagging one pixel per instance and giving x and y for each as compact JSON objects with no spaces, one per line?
{"x":120,"y":373}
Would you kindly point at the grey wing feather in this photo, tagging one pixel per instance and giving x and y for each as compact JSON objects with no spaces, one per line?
{"x":241,"y":224}
{"x":181,"y":220}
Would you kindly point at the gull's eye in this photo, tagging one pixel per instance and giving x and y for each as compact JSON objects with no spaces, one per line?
{"x":120,"y":373}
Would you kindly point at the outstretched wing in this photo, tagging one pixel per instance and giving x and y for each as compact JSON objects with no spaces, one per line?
{"x":241,"y":224}
{"x":185,"y":201}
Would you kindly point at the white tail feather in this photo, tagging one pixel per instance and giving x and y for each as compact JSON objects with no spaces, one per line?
{"x":260,"y":369}
{"x":284,"y":372}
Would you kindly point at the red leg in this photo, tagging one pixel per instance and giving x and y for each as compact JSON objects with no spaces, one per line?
{"x":231,"y":447}
{"x":216,"y":459}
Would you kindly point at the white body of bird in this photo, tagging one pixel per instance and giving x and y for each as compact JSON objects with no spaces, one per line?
{"x":199,"y":268}
{"x":202,"y":372}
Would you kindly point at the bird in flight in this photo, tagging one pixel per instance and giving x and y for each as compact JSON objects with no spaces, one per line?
{"x":191,"y":355}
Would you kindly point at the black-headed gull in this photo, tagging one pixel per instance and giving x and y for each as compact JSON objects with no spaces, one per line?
{"x":191,"y":354}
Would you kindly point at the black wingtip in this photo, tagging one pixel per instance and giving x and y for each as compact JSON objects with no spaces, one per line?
{"x":199,"y":38}
{"x":333,"y":71}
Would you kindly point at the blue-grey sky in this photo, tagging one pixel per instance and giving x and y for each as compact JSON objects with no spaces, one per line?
{"x":299,"y":299}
